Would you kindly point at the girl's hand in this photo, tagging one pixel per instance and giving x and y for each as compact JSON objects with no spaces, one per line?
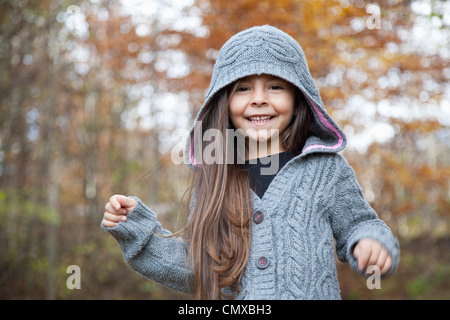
{"x":116,"y":210}
{"x":370,"y":252}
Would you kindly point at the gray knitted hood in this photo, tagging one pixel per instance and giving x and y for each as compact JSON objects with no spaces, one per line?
{"x":268,"y":50}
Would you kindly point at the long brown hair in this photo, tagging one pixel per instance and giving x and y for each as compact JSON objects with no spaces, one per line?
{"x":220,"y":206}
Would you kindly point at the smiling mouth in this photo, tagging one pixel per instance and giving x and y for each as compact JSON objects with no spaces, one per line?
{"x":260,"y":119}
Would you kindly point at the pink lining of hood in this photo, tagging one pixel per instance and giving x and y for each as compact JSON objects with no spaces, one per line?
{"x":327,"y":125}
{"x":191,"y":153}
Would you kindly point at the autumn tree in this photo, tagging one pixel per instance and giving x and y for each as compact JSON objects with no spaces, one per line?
{"x":73,"y":76}
{"x":382,"y":70}
{"x":90,"y":93}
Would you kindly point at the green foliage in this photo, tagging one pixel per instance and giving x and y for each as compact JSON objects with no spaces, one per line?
{"x":19,"y":206}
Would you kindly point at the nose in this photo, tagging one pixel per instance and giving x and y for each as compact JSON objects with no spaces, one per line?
{"x":259,"y":98}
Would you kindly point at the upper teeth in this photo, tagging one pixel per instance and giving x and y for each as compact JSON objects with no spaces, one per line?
{"x":259,"y":118}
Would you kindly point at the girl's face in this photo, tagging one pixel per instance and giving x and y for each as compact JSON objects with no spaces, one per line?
{"x":262,"y":103}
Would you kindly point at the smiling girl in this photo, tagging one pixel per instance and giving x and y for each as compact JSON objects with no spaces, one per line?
{"x":251,"y":235}
{"x":262,"y":104}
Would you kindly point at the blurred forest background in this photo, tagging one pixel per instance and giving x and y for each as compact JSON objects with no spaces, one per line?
{"x":92,"y":90}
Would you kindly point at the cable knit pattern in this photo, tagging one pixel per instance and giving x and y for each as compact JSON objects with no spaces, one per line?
{"x":313,"y":201}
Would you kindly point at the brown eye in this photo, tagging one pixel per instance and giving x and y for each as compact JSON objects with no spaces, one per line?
{"x":242,"y":89}
{"x":276,"y":87}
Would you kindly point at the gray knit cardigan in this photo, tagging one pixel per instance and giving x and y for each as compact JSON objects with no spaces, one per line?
{"x":313,"y":201}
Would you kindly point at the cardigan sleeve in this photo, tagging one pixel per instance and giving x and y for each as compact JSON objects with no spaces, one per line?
{"x":152,"y":251}
{"x":353,"y":219}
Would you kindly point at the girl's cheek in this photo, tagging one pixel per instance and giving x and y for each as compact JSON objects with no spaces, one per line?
{"x":236,"y":105}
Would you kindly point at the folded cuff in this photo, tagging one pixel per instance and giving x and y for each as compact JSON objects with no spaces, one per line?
{"x":133,"y":234}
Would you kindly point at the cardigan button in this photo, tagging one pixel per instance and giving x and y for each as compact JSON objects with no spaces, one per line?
{"x":258,"y":217}
{"x":262,"y":262}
